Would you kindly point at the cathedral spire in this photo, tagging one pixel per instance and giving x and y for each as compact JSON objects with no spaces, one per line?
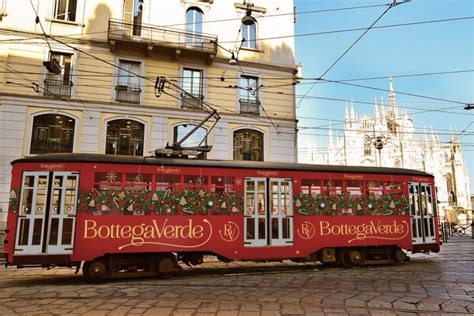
{"x":346,"y":114}
{"x":392,"y":98}
{"x":330,"y":136}
{"x":353,"y":119}
{"x":382,"y":107}
{"x":376,"y":111}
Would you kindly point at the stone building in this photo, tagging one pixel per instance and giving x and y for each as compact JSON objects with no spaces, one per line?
{"x":389,"y":139}
{"x":79,"y":76}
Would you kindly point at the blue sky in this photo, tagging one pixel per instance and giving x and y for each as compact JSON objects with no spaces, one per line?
{"x":404,"y":50}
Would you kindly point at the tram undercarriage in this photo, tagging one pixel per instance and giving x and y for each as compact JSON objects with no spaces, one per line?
{"x":165,"y":265}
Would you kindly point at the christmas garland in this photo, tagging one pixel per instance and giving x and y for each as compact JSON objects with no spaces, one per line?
{"x":188,"y":202}
{"x":14,"y":201}
{"x":345,"y":204}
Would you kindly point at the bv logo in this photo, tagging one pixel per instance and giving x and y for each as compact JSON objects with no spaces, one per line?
{"x":230,"y":232}
{"x":307,"y":230}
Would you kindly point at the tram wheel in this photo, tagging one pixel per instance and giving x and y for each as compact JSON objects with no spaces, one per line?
{"x":165,"y":266}
{"x":399,"y":256}
{"x":94,"y":271}
{"x":352,"y":257}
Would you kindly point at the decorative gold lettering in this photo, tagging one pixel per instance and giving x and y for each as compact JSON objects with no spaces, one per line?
{"x":375,"y":230}
{"x":88,"y":228}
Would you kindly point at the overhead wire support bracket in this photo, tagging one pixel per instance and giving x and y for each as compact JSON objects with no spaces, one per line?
{"x":176,"y":150}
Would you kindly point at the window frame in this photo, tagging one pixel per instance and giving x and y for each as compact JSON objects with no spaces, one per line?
{"x":202,"y":86}
{"x":106,"y":125}
{"x":194,"y":27}
{"x":31,"y":123}
{"x":140,"y":83}
{"x":46,"y":75}
{"x":247,"y":32}
{"x":243,"y":90}
{"x":234,"y":146}
{"x":174,"y":136}
{"x":56,"y":5}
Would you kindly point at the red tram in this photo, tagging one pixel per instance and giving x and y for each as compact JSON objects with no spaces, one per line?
{"x":129,"y":216}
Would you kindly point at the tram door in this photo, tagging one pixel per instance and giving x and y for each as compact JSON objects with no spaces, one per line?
{"x":422,"y":212}
{"x":268,"y":212}
{"x":47,"y":213}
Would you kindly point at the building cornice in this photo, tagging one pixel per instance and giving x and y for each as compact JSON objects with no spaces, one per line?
{"x":116,"y":107}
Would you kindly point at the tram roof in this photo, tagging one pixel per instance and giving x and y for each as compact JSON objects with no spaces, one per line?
{"x":117,"y":159}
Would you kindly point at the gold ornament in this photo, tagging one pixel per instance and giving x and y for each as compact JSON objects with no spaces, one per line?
{"x":111,"y":176}
{"x":223,"y":205}
{"x":202,"y":193}
{"x":334,"y":207}
{"x":104,"y":208}
{"x":92,"y":203}
{"x":154,"y":197}
{"x":130,"y":208}
{"x":121,"y":195}
{"x":392,"y":204}
{"x":13,"y":195}
{"x":359,"y":207}
{"x":298,"y":203}
{"x":183,"y":201}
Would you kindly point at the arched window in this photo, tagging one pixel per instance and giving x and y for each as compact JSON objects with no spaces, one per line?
{"x":198,"y":138}
{"x":194,"y":20}
{"x":125,"y":137}
{"x":52,"y":133}
{"x":249,"y":34}
{"x":248,"y":145}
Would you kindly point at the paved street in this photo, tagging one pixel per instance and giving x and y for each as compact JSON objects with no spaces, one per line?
{"x":428,"y":285}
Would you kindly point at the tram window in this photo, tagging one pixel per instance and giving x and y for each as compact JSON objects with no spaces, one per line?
{"x":275,"y":228}
{"x":167,"y":182}
{"x":67,"y":231}
{"x":138,"y":182}
{"x":222,"y":184}
{"x":53,"y":232}
{"x":195,"y":181}
{"x":262,"y":229}
{"x":333,"y":186}
{"x":250,"y":203}
{"x":250,"y":228}
{"x":374,"y":188}
{"x":354,"y":187}
{"x":37,"y":231}
{"x":24,"y":231}
{"x":393,"y":186}
{"x":108,"y":181}
{"x":286,"y":228}
{"x":310,"y":186}
{"x":27,"y":201}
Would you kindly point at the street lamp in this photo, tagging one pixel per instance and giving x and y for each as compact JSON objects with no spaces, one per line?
{"x":379,"y":142}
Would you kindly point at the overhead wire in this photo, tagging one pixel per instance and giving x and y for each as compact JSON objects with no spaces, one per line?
{"x":348,"y":49}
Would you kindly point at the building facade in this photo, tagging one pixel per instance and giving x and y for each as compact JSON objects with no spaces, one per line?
{"x":389,"y":139}
{"x":81,"y":76}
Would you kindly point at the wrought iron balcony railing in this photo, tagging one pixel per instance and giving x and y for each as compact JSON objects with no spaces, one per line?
{"x":57,"y":88}
{"x":160,"y":36}
{"x":191,"y":101}
{"x":127,"y":94}
{"x":249,"y":106}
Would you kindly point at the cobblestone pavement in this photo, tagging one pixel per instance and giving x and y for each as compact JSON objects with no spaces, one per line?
{"x":435,"y":284}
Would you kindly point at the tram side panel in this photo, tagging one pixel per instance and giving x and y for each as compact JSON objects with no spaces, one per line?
{"x":223,"y":235}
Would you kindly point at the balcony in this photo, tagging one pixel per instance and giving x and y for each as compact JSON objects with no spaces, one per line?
{"x":191,"y":101}
{"x":57,"y":88}
{"x":154,"y":38}
{"x":127,"y":94}
{"x":249,"y":106}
